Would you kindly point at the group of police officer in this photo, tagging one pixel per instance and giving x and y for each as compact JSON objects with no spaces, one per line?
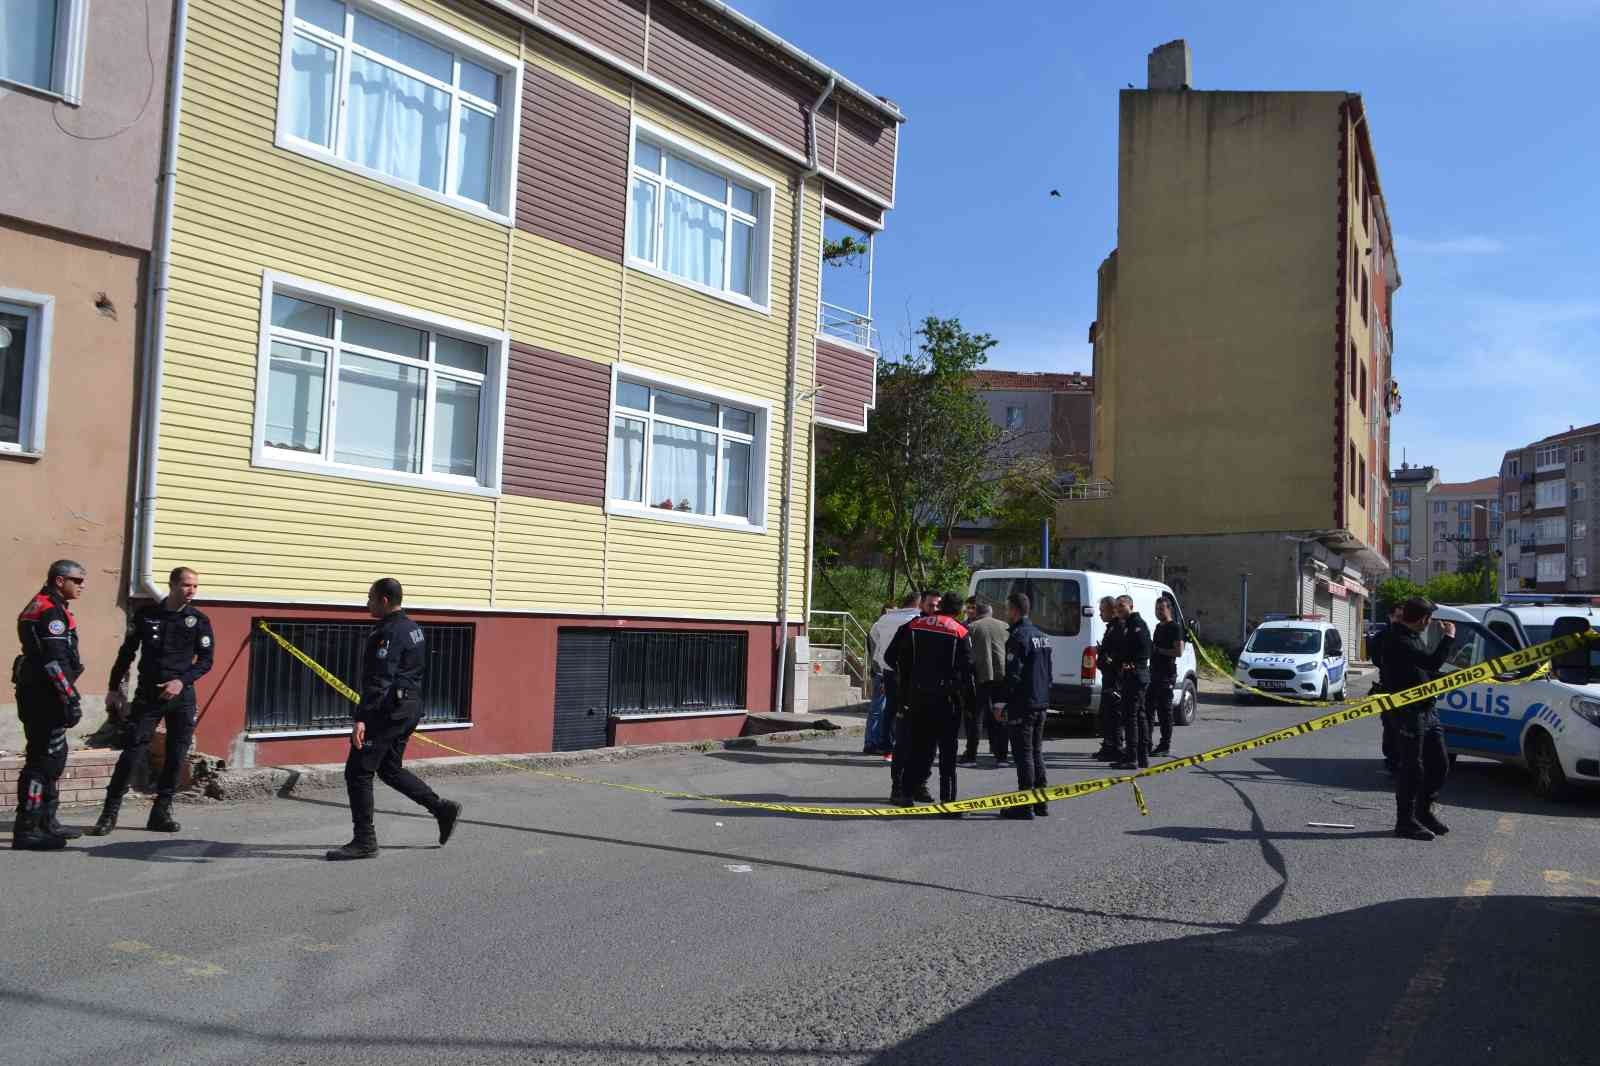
{"x":1138,"y":671}
{"x":931,"y":657}
{"x":174,"y":643}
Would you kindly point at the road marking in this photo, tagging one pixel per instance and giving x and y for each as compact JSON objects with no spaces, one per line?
{"x":739,"y":868}
{"x":192,"y":967}
{"x":1421,"y":996}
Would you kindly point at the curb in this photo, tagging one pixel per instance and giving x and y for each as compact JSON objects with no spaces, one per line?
{"x":277,"y":782}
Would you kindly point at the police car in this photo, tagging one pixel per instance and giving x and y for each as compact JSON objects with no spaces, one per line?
{"x":1299,"y":657}
{"x":1550,"y":725}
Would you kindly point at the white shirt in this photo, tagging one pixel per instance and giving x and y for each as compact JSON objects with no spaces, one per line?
{"x":881,"y":635}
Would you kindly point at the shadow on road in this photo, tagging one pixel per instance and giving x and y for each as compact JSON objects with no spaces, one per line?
{"x":1322,"y":990}
{"x":1477,"y":784}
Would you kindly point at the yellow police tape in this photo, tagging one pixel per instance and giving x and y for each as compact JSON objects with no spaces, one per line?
{"x":1517,"y":660}
{"x":1200,"y":649}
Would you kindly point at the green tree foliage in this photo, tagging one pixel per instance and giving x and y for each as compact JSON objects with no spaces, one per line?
{"x":1471,"y":586}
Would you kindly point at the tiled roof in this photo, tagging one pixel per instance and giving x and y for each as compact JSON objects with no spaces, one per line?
{"x":1042,"y":382}
{"x":1484,"y":486}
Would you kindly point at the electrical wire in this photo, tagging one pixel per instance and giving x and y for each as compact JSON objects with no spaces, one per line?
{"x":149,"y":92}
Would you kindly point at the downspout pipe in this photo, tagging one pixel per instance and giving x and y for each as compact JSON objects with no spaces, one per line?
{"x":791,"y":398}
{"x":143,"y":579}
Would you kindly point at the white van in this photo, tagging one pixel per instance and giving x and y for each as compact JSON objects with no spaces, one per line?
{"x":1066,"y":605}
{"x":1303,"y":657}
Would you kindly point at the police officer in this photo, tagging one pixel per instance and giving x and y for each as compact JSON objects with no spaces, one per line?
{"x":1422,"y":760}
{"x":46,"y":675}
{"x":1028,"y":675}
{"x":173,"y":640}
{"x":1133,"y":669}
{"x":392,"y":665}
{"x":1375,"y":653}
{"x":1166,"y":646}
{"x":1110,"y":677}
{"x":932,"y":658}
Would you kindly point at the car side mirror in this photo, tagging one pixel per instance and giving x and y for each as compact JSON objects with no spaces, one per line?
{"x":1574,"y":667}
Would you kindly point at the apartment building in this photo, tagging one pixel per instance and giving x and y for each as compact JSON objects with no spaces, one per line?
{"x":1464,"y":522}
{"x":1040,"y":416}
{"x":83,"y":90}
{"x":520,"y":304}
{"x":1408,"y":520}
{"x":1551,"y":535}
{"x":1243,"y":352}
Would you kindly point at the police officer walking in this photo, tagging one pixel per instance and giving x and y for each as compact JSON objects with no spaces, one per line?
{"x":932,"y":658}
{"x":1028,"y":676}
{"x":1133,"y":670}
{"x":1421,"y":758}
{"x":46,"y":675}
{"x":1166,"y":649}
{"x":1375,"y":644}
{"x":392,"y":665}
{"x":1110,"y":678}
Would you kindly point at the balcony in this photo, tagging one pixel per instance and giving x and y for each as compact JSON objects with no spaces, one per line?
{"x":843,"y":324}
{"x":845,"y":310}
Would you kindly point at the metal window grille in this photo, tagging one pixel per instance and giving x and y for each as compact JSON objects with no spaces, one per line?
{"x":284,"y":694}
{"x":662,"y":672}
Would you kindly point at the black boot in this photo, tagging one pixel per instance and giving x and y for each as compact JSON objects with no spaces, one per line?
{"x":446,"y":816}
{"x":356,"y":849}
{"x":900,"y":799}
{"x":1411,"y":831}
{"x":53,"y":826}
{"x":1017,"y":814}
{"x":27,"y":834}
{"x":1431,"y":823}
{"x":1042,"y":810}
{"x":1165,"y":747}
{"x":920,"y":794}
{"x":161,"y":820}
{"x":108,"y":817}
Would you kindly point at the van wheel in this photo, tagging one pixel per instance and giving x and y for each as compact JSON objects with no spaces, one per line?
{"x":1188,"y":704}
{"x":1549,"y":780}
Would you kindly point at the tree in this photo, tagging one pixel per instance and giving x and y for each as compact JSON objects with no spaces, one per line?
{"x":1395,"y":591}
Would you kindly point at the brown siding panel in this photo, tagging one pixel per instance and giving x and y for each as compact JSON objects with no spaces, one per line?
{"x":851,"y":202}
{"x":847,"y":378}
{"x":695,"y":58}
{"x":558,"y":409}
{"x":615,"y":25}
{"x":866,"y":152}
{"x":573,"y":171}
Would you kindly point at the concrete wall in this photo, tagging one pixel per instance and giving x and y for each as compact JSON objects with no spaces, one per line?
{"x":91,"y":168}
{"x":72,"y":500}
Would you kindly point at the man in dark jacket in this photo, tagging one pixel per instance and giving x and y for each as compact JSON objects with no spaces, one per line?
{"x":391,"y":709}
{"x":1166,"y":649}
{"x":46,"y":676}
{"x":1375,"y":656}
{"x":1028,"y":677}
{"x":1110,"y":676}
{"x":1420,"y":752}
{"x":1133,"y":671}
{"x":932,"y":660}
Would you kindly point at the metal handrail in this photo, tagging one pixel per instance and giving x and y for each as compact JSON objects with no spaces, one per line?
{"x":839,"y":629}
{"x":847,"y":325}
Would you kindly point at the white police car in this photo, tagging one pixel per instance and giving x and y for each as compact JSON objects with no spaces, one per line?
{"x":1551,"y":725}
{"x":1299,"y":657}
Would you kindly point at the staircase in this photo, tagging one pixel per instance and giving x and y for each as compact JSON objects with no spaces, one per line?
{"x":838,"y":679}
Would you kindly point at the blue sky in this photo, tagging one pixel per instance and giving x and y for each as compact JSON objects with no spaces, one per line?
{"x":1485,"y":119}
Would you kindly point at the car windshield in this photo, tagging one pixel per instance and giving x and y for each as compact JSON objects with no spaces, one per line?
{"x":1285,"y":642}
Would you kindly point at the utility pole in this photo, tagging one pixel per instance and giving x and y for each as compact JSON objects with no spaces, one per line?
{"x":1161,"y":569}
{"x":1045,"y":555}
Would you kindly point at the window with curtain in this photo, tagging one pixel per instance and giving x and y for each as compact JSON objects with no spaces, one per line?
{"x":675,"y":452}
{"x":41,"y":44}
{"x":348,"y":389}
{"x":391,"y":99}
{"x":697,"y":222}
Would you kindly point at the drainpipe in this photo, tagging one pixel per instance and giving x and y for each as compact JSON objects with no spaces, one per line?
{"x":791,"y":396}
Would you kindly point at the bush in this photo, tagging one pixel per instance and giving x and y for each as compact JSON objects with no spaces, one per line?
{"x":1219,"y":655}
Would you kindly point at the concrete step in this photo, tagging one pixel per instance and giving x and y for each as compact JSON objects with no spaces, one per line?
{"x":827,"y":692}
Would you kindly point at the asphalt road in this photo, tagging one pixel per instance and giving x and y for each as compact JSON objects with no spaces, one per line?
{"x":575,"y":924}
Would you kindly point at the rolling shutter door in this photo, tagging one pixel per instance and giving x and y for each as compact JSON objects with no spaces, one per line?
{"x":583,"y":689}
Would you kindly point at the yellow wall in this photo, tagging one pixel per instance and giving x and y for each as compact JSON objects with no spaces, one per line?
{"x":1219,"y":412}
{"x":245,"y":206}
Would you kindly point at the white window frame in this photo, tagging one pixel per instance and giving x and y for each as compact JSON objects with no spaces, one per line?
{"x":67,"y":61}
{"x":492,"y":413}
{"x":766,"y":191}
{"x":1580,"y":566}
{"x":1552,"y":457}
{"x":40,"y":311}
{"x":508,"y":113}
{"x":760,"y":443}
{"x":1539,"y":494}
{"x":1575,"y":491}
{"x":1540,"y":569}
{"x":1579,"y":453}
{"x":1580,"y":530}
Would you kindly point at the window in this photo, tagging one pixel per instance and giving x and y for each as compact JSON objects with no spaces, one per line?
{"x":1550,"y":457}
{"x":1440,"y":506}
{"x":283,"y":696}
{"x":1514,"y":467}
{"x":1438,"y":564}
{"x":1514,"y":501}
{"x":1402,"y":535}
{"x":1363,"y":388}
{"x":376,"y":391}
{"x":677,"y":672}
{"x":1579,"y":453}
{"x":1402,"y":497}
{"x":405,"y":100}
{"x":1577,"y":491}
{"x":25,"y":325}
{"x":1361,"y":483}
{"x":42,"y":45}
{"x":1402,"y":515}
{"x":1464,"y":530}
{"x":1550,"y":530}
{"x":845,"y":312}
{"x":1057,"y":602}
{"x":686,"y":453}
{"x":1464,"y":509}
{"x":1580,"y":566}
{"x":698,"y":220}
{"x":1580,"y":531}
{"x":1366,"y":294}
{"x":1550,"y":494}
{"x":1352,"y":471}
{"x":1013,"y":418}
{"x":1553,"y":567}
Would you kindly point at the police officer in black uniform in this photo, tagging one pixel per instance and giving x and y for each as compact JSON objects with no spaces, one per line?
{"x":1422,"y":760}
{"x":46,"y":675}
{"x":1166,"y":649}
{"x":1110,"y":677}
{"x":1028,"y":676}
{"x":391,"y":708}
{"x":173,"y":640}
{"x":1133,"y":670}
{"x":932,"y":658}
{"x":1375,"y":643}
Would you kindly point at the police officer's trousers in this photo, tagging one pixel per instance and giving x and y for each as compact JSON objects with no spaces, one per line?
{"x":1422,"y":763}
{"x":383,"y":754}
{"x":932,"y":724}
{"x":147,"y":712}
{"x":1158,"y":708}
{"x":1110,"y":714}
{"x":1134,"y":730}
{"x":44,"y":728}
{"x":1027,"y":746}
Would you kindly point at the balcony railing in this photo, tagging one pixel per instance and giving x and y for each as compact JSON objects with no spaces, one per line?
{"x":844,"y":324}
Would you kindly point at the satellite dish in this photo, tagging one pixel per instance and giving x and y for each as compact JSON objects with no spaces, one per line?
{"x":5,"y":337}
